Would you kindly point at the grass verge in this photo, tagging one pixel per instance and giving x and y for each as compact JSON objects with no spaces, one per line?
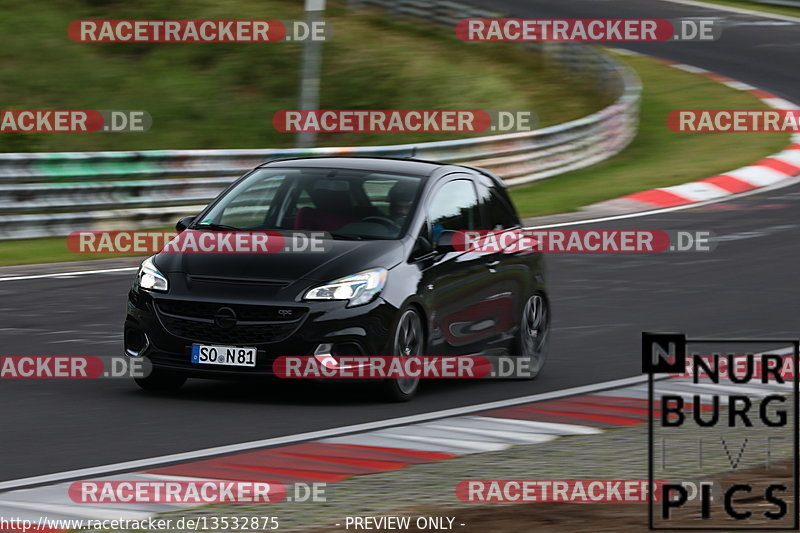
{"x":44,"y":250}
{"x":657,"y":157}
{"x":223,"y":95}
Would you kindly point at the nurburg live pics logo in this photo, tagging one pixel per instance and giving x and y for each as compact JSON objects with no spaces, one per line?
{"x":721,"y":408}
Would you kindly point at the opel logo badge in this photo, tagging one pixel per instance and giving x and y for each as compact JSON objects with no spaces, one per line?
{"x":225,"y":318}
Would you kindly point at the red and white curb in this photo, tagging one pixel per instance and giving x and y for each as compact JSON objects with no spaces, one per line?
{"x":382,"y":450}
{"x":769,"y":171}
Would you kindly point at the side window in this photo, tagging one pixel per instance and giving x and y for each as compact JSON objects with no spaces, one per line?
{"x":498,"y":212}
{"x":453,"y":207}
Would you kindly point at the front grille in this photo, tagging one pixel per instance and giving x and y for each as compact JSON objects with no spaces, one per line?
{"x":245,"y":312}
{"x":255,"y":323}
{"x":265,"y":288}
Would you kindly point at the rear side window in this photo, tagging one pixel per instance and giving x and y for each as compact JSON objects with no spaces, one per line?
{"x":499,"y":213}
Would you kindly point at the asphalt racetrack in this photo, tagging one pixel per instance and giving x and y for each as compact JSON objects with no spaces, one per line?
{"x":748,"y":286}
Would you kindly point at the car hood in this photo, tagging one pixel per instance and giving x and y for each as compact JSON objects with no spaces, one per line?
{"x":340,"y":258}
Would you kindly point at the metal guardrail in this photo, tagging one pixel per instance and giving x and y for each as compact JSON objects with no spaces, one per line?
{"x":441,"y":11}
{"x":53,"y":194}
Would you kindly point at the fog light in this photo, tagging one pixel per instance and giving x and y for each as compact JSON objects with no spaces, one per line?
{"x":136,"y":342}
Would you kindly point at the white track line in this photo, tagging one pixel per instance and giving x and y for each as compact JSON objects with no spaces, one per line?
{"x":313,"y":435}
{"x":731,"y":9}
{"x":68,"y":274}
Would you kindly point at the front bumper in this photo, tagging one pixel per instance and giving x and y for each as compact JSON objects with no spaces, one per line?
{"x":163,"y":328}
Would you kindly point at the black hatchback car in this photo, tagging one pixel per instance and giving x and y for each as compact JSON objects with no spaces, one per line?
{"x":389,"y":281}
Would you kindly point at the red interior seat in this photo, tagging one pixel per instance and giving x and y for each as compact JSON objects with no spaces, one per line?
{"x":313,"y":219}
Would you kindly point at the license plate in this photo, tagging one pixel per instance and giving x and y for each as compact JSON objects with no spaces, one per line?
{"x":223,"y":355}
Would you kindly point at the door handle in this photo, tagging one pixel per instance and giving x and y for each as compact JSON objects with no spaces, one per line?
{"x":494,"y":263}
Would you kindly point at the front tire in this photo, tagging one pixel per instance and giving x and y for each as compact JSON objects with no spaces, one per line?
{"x":408,"y":339}
{"x":534,"y":334}
{"x":160,"y":380}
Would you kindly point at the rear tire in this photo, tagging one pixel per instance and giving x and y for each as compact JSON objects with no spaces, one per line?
{"x":407,"y":339}
{"x":160,"y":380}
{"x":534,"y":334}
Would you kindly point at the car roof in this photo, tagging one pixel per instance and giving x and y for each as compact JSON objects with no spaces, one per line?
{"x":380,"y":164}
{"x":411,"y":166}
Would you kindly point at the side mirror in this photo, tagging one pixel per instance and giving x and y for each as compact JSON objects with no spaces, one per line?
{"x":184,"y":223}
{"x":444,"y":244}
{"x":422,"y":248}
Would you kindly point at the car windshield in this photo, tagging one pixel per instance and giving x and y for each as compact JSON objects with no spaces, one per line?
{"x":349,"y":204}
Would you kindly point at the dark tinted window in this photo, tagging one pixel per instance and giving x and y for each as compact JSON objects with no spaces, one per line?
{"x":500,"y":215}
{"x":453,"y":207}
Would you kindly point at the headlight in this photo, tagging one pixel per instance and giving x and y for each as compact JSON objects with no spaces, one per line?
{"x":359,"y":288}
{"x":150,"y":278}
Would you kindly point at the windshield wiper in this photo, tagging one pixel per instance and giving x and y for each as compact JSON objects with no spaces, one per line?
{"x":346,"y":236}
{"x":214,"y":227}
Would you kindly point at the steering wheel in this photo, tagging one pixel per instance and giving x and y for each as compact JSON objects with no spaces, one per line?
{"x":386,"y":221}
